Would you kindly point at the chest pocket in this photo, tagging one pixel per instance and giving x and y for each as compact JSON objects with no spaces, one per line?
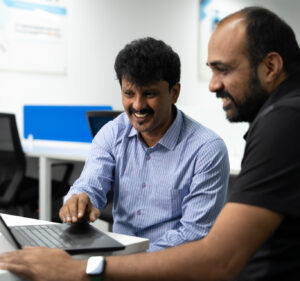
{"x":144,"y":206}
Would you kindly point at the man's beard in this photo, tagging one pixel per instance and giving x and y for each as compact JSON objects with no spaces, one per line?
{"x":247,"y":110}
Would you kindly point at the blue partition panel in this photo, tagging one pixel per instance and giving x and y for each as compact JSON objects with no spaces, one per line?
{"x":59,"y":123}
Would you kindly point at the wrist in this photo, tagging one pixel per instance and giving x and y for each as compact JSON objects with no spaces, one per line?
{"x":95,"y":268}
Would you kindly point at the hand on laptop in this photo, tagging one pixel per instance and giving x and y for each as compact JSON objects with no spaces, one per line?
{"x":77,"y":209}
{"x":44,"y":264}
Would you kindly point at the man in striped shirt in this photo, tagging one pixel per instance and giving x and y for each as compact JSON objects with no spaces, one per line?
{"x":169,"y":172}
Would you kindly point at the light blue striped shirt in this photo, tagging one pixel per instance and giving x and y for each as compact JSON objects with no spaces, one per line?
{"x":170,"y":193}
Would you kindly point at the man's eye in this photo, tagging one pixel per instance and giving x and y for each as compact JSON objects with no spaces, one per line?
{"x":149,"y":94}
{"x":128,"y":94}
{"x":223,"y":70}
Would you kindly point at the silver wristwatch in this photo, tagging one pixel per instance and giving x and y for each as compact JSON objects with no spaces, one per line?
{"x":95,"y":268}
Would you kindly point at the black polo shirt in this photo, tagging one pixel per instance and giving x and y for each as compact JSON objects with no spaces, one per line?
{"x":270,"y":178}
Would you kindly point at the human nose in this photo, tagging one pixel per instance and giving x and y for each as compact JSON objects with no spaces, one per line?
{"x":215,"y":83}
{"x":139,"y":103}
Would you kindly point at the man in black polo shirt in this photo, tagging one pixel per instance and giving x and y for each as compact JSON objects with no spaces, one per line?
{"x":269,"y":99}
{"x":255,"y":62}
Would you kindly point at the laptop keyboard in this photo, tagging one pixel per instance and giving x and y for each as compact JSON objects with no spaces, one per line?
{"x":42,"y":235}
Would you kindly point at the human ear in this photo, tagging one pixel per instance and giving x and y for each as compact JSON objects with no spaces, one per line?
{"x":273,"y":67}
{"x":175,"y":92}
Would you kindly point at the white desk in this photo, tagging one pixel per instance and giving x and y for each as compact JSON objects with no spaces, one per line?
{"x":133,"y":244}
{"x":49,"y":152}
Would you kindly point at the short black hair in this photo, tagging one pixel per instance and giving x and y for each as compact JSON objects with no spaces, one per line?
{"x":148,"y":60}
{"x":267,"y":32}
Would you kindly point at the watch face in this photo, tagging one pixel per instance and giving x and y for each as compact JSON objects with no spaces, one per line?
{"x":95,"y":265}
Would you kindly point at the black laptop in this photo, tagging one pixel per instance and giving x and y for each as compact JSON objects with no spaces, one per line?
{"x":74,"y":239}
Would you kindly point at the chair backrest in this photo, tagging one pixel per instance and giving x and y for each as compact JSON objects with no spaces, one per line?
{"x":12,"y":159}
{"x":96,"y":119}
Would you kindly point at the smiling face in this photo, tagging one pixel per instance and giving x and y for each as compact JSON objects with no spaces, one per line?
{"x":233,"y":79}
{"x":149,"y":108}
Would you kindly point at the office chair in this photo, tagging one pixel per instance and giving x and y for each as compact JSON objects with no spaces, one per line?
{"x":17,"y":190}
{"x":96,"y":119}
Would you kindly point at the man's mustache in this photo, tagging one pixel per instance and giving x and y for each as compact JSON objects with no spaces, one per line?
{"x":223,"y":94}
{"x":142,"y":111}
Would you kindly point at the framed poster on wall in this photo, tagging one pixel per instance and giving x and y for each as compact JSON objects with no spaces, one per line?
{"x":33,"y":35}
{"x":210,"y":12}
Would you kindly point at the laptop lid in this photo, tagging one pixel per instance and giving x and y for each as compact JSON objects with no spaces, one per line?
{"x":80,"y":238}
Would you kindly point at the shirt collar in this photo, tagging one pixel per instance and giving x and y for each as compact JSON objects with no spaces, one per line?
{"x":169,"y":139}
{"x":284,"y":89}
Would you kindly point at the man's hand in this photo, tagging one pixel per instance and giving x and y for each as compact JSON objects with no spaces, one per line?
{"x":78,"y":208}
{"x":45,"y":264}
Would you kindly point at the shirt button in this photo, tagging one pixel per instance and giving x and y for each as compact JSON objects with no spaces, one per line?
{"x":148,"y":157}
{"x":143,"y":185}
{"x":139,"y":212}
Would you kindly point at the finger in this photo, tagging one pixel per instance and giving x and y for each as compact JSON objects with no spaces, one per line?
{"x":73,"y":207}
{"x":68,"y":218}
{"x":69,"y":209}
{"x":19,"y":269}
{"x":83,"y":202}
{"x":94,"y":213}
{"x":10,"y":257}
{"x":64,"y":213}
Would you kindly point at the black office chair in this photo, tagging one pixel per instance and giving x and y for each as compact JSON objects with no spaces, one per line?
{"x":96,"y":119}
{"x":17,"y":190}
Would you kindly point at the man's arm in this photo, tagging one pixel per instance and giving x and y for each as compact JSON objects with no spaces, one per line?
{"x":206,"y":197}
{"x":88,"y":194}
{"x":238,"y":232}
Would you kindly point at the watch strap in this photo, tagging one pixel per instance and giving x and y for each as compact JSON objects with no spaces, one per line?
{"x":95,"y":277}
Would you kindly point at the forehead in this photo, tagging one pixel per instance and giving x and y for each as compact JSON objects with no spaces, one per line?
{"x":128,"y":84}
{"x":228,"y":42}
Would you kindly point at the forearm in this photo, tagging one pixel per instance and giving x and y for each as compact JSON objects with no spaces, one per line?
{"x":180,"y":263}
{"x":96,"y":177}
{"x":221,"y":255}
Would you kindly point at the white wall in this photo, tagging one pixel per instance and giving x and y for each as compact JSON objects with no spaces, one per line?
{"x":97,"y":30}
